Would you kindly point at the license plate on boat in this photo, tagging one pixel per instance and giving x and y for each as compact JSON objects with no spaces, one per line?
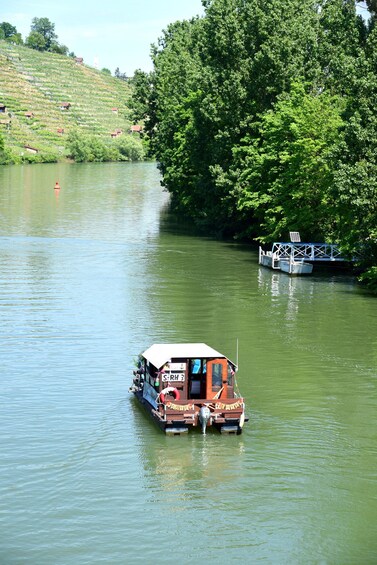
{"x":173,"y":377}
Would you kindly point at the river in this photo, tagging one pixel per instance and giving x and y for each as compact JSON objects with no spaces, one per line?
{"x":95,"y":273}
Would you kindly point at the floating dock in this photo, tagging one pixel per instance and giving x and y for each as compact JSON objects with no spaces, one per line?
{"x":296,"y":258}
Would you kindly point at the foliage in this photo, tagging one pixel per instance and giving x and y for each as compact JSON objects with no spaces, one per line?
{"x":59,"y":48}
{"x":89,"y":148}
{"x":369,"y":278}
{"x":7,"y":29}
{"x":372,"y":6}
{"x":43,"y":157}
{"x":16,"y":39}
{"x":9,"y":33}
{"x":285,"y":171}
{"x":118,"y":74}
{"x":262,"y":117}
{"x":355,"y":181}
{"x":35,"y":40}
{"x":46,"y":29}
{"x":129,"y":149}
{"x":42,"y":37}
{"x":2,"y":155}
{"x":86,"y":148}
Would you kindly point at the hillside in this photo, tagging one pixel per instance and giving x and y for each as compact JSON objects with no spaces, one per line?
{"x":34,"y":86}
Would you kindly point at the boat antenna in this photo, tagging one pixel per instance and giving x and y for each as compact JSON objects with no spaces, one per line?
{"x":237,"y":355}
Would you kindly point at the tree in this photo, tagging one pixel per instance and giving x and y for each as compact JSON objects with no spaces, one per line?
{"x":285,"y":173}
{"x":118,"y":74}
{"x":35,"y":40}
{"x":16,"y":39}
{"x":129,"y":148}
{"x":4,"y":153}
{"x":59,"y":48}
{"x":262,"y":117}
{"x":46,"y":29}
{"x":8,"y":29}
{"x":372,"y":6}
{"x":142,"y":91}
{"x":42,"y":37}
{"x":355,"y":182}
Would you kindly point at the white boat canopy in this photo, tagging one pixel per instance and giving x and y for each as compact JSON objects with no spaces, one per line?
{"x":160,"y":353}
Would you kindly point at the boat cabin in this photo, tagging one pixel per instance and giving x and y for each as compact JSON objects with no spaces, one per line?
{"x":186,"y":385}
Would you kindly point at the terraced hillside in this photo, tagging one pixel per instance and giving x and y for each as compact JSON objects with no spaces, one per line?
{"x":35,"y":86}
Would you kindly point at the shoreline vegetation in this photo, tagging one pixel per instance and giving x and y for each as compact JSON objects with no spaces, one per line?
{"x":260,"y":115}
{"x":262,"y":118}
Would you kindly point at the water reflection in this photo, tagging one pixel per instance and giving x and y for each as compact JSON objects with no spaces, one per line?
{"x":187,"y":468}
{"x":277,"y":283}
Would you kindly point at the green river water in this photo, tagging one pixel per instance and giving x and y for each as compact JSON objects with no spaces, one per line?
{"x":96,"y":273}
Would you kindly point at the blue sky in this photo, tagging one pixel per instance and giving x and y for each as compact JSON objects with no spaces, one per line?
{"x":114,"y":33}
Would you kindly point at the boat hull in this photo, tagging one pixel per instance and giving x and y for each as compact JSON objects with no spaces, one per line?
{"x":178,"y":417}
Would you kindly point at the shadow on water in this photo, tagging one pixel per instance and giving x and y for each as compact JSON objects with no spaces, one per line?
{"x":174,"y":224}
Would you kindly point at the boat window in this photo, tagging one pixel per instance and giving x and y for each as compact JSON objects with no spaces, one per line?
{"x":230,"y":375}
{"x":195,"y":366}
{"x":217,"y":376}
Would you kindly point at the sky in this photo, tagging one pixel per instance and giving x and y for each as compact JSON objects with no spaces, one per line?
{"x":115,"y":33}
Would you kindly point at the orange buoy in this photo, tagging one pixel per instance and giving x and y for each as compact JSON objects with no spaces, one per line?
{"x":57,"y":186}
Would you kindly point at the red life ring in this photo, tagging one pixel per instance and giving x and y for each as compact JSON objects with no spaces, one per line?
{"x":171,"y":390}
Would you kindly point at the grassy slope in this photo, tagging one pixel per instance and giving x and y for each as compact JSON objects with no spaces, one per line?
{"x":36,"y":82}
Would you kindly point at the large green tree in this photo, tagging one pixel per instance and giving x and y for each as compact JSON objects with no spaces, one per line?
{"x":262,"y":117}
{"x":9,"y":33}
{"x":8,"y":29}
{"x":355,"y":186}
{"x":44,"y":27}
{"x":283,"y":173}
{"x":42,"y":37}
{"x":35,"y":40}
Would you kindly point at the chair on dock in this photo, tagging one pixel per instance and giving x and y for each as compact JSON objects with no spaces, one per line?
{"x":295,"y":236}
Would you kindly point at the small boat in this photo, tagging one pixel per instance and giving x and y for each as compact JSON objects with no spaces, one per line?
{"x":294,"y":267}
{"x":189,"y":385}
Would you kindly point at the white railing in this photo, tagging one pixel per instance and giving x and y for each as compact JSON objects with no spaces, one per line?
{"x":268,"y":259}
{"x":306,"y":251}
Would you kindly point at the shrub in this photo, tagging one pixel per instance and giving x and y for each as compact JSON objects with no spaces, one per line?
{"x":81,"y":147}
{"x":369,"y":278}
{"x":130,"y":149}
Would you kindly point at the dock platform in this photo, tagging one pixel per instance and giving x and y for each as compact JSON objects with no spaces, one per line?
{"x":296,"y":258}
